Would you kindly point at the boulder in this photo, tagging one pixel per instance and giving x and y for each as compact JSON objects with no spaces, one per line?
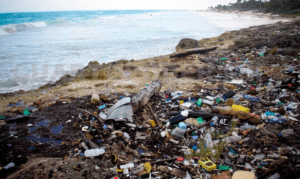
{"x":187,"y":44}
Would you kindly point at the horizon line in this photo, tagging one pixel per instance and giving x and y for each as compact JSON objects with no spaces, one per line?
{"x":109,"y":10}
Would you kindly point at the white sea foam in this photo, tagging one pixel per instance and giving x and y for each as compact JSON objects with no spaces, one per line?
{"x":12,"y":28}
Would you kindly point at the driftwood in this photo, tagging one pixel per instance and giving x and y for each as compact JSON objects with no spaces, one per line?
{"x":165,"y":160}
{"x":156,"y":120}
{"x":85,"y":111}
{"x":192,"y":51}
{"x":142,"y":98}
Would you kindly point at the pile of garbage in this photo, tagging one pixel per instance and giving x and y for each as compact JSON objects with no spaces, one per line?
{"x":211,"y":133}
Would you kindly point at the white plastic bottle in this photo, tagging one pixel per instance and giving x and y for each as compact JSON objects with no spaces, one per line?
{"x":94,"y":152}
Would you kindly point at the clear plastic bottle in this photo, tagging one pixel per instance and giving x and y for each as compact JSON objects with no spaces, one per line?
{"x":94,"y":152}
{"x":208,"y":141}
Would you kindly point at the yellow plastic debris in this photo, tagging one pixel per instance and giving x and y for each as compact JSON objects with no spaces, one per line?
{"x":147,"y":167}
{"x":239,"y":108}
{"x":119,"y":170}
{"x":152,"y":123}
{"x":207,"y":164}
{"x":181,"y":102}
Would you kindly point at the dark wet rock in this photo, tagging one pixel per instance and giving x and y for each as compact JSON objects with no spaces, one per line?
{"x":187,"y":44}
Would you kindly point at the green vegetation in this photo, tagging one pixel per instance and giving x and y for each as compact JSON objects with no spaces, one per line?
{"x":206,"y":152}
{"x":291,"y":7}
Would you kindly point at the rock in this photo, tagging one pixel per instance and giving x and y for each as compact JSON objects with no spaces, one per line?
{"x":95,"y":100}
{"x":281,"y":111}
{"x":252,"y":92}
{"x":187,"y":44}
{"x":104,"y":98}
{"x":89,"y":72}
{"x":178,"y":173}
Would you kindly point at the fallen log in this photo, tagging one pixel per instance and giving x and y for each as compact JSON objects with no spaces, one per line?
{"x":142,"y":98}
{"x":192,"y":51}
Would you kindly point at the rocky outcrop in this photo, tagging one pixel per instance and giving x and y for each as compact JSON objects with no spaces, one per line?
{"x":187,"y":44}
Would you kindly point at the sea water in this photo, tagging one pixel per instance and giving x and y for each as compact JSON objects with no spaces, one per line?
{"x":39,"y":47}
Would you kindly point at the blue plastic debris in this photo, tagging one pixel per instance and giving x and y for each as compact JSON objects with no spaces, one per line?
{"x":194,"y":147}
{"x":102,"y":107}
{"x":105,"y":126}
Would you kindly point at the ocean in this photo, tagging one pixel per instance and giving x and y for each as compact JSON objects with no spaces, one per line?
{"x":39,"y":47}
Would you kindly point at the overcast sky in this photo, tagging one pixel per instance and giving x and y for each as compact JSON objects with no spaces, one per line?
{"x":64,"y":5}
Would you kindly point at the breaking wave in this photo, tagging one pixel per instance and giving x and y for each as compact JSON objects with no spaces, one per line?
{"x":12,"y":28}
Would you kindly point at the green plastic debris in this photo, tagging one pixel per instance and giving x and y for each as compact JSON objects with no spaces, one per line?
{"x":223,"y":58}
{"x":2,"y":117}
{"x":261,"y":54}
{"x":193,"y":133}
{"x":175,"y":125}
{"x":218,"y":100}
{"x":147,"y":84}
{"x":199,"y":102}
{"x":200,"y":120}
{"x":253,"y":82}
{"x":26,"y":112}
{"x":224,"y":167}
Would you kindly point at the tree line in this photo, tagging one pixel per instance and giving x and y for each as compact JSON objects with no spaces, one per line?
{"x":274,"y":6}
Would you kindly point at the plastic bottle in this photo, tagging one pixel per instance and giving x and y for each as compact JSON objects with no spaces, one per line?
{"x":199,"y":102}
{"x":10,"y":165}
{"x":224,"y":109}
{"x":252,"y":98}
{"x":215,"y":119}
{"x":208,"y":141}
{"x":208,"y":102}
{"x":94,"y":152}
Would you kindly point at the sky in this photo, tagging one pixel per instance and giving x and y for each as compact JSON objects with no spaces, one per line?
{"x":66,"y":5}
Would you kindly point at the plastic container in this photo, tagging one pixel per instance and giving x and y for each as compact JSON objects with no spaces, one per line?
{"x":182,"y":125}
{"x":207,"y":164}
{"x":94,"y":152}
{"x":239,"y":108}
{"x":228,"y":94}
{"x":251,"y":98}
